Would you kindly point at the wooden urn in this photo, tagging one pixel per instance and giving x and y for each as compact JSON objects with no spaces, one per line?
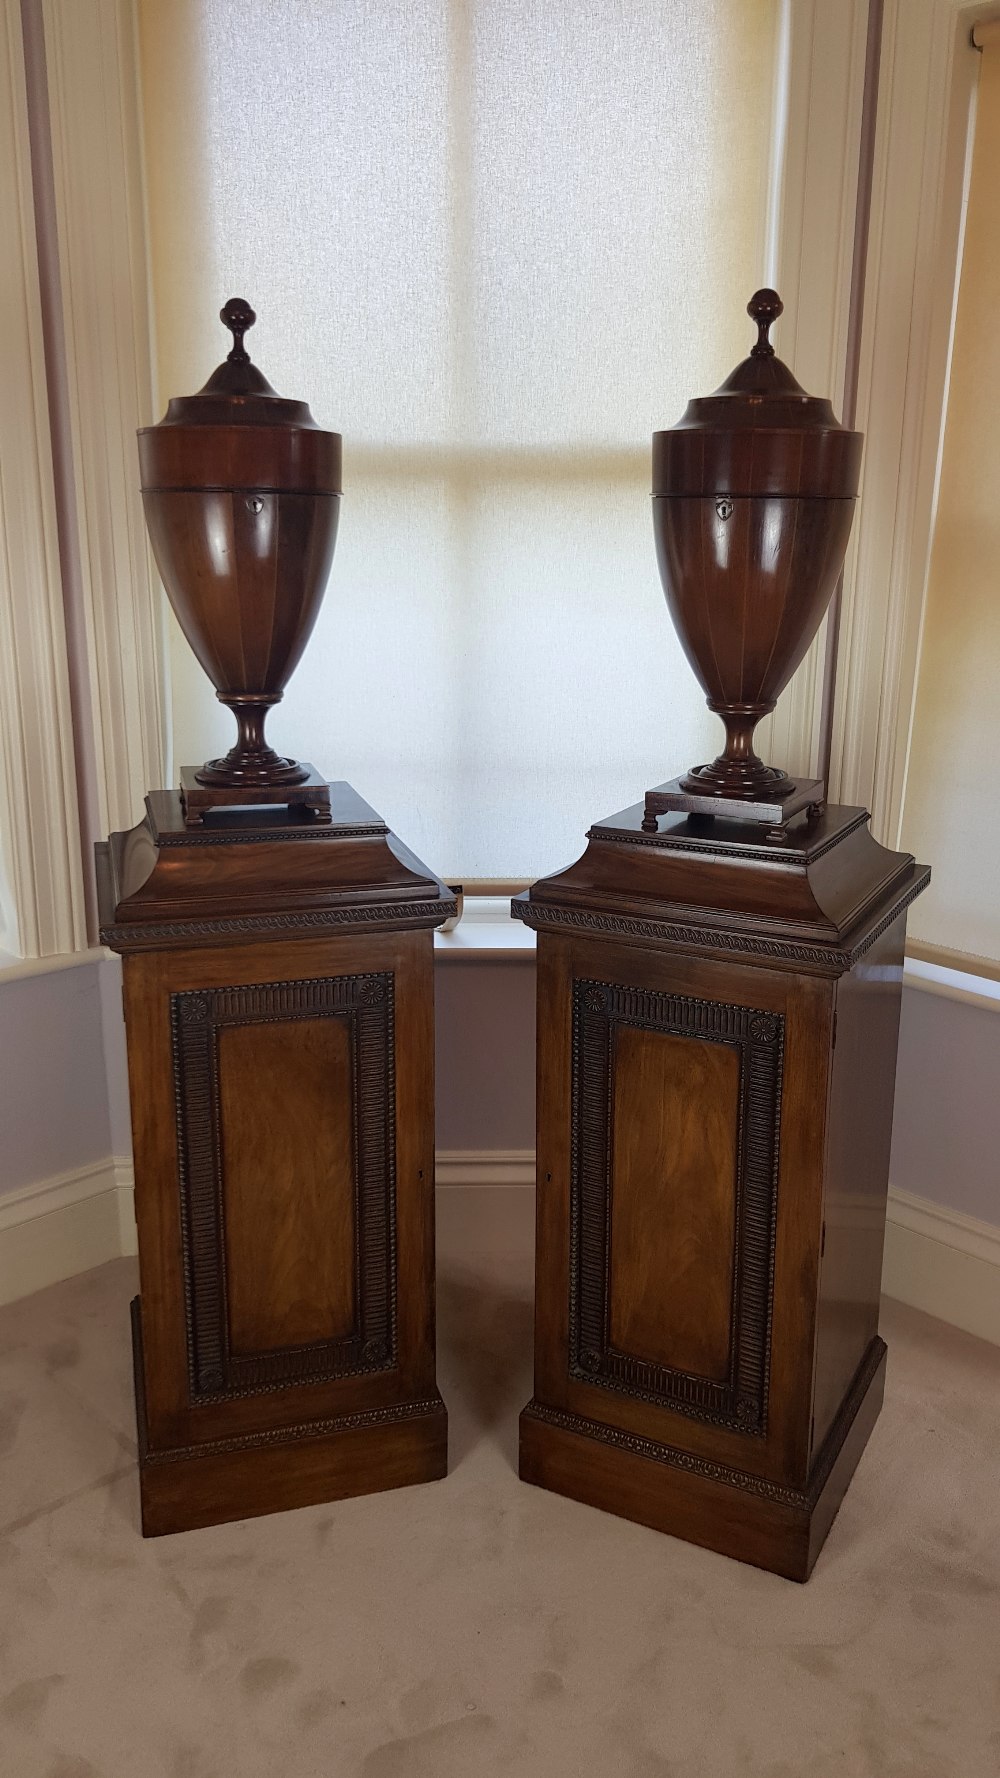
{"x":279,"y":1011}
{"x":753,"y":498}
{"x":717,"y":1029}
{"x":241,"y":491}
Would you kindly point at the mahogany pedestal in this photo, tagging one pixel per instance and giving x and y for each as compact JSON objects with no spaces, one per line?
{"x":717,"y":1028}
{"x":279,"y":1011}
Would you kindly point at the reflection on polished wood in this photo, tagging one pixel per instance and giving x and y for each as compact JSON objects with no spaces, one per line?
{"x":288,"y":1208}
{"x":673,"y":1204}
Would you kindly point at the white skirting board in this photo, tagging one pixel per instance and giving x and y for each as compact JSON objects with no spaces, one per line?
{"x":484,"y":1166}
{"x":944,"y":1263}
{"x":65,"y":1225}
{"x":935,"y":1259}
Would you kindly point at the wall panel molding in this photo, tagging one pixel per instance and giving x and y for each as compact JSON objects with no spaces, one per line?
{"x":64,"y":1225}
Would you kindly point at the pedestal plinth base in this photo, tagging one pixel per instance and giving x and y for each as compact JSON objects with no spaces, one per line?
{"x":721,"y":1509}
{"x":279,"y":1008}
{"x":717,"y":1030}
{"x":240,"y":1478}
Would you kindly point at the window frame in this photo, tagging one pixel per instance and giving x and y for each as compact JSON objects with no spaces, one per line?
{"x":913,"y":250}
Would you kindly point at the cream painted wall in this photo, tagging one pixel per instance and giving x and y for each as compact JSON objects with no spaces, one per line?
{"x":951,"y":812}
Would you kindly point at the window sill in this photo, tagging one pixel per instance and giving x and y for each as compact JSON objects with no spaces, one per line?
{"x":952,"y":984}
{"x":17,"y":969}
{"x":485,"y":933}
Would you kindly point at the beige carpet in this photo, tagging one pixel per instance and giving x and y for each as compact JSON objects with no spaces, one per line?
{"x":478,"y":1625}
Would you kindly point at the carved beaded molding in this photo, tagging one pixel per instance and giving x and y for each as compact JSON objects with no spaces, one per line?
{"x":776,"y":1493}
{"x":740,"y":1401}
{"x":393,"y":916}
{"x":256,"y":836}
{"x":366,"y":1002}
{"x":792,"y":855}
{"x":818,"y":958}
{"x":368,"y":1419}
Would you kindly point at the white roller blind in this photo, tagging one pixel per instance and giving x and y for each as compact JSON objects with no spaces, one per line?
{"x":494,"y":244}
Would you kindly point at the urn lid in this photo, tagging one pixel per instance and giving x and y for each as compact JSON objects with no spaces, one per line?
{"x":758,"y":433}
{"x":238,"y":431}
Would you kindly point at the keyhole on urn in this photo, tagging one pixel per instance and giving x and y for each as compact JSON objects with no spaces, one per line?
{"x":255,"y":503}
{"x":725,"y":509}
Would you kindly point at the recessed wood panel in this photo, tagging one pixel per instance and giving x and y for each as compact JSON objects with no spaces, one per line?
{"x":288,"y":1172}
{"x":289,"y":1264}
{"x":675,"y":1121}
{"x":679,"y":1122}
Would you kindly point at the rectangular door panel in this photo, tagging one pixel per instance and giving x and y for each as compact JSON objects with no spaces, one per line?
{"x":287,"y":1139}
{"x":676,"y":1105}
{"x":675,"y":1126}
{"x":286,"y":1129}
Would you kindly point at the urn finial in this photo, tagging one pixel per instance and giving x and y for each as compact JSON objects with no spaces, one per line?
{"x":239,"y":317}
{"x":764,"y":307}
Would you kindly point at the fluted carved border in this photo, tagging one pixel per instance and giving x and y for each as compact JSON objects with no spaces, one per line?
{"x":740,"y":1401}
{"x":197,"y":1016}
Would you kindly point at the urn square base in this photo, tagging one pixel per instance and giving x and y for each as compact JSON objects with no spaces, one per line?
{"x":311,"y":796}
{"x":775,"y":812}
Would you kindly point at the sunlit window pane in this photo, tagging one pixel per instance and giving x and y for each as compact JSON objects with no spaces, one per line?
{"x":495,"y":245}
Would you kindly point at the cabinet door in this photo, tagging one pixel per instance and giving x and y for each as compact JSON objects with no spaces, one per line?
{"x":682,"y":1116}
{"x":285,"y":1152}
{"x":675,"y":1111}
{"x":283,"y":1120}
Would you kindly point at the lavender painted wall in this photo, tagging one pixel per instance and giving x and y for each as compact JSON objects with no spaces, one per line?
{"x":116,"y":1062}
{"x":485,"y":1063}
{"x":53,"y":1085}
{"x":64,"y":1100}
{"x":946,"y":1132}
{"x":485,"y":1054}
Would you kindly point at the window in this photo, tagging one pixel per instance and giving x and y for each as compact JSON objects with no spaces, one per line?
{"x":495,"y":247}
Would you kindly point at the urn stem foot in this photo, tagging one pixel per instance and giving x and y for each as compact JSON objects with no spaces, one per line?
{"x":251,"y":762}
{"x":738,"y":774}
